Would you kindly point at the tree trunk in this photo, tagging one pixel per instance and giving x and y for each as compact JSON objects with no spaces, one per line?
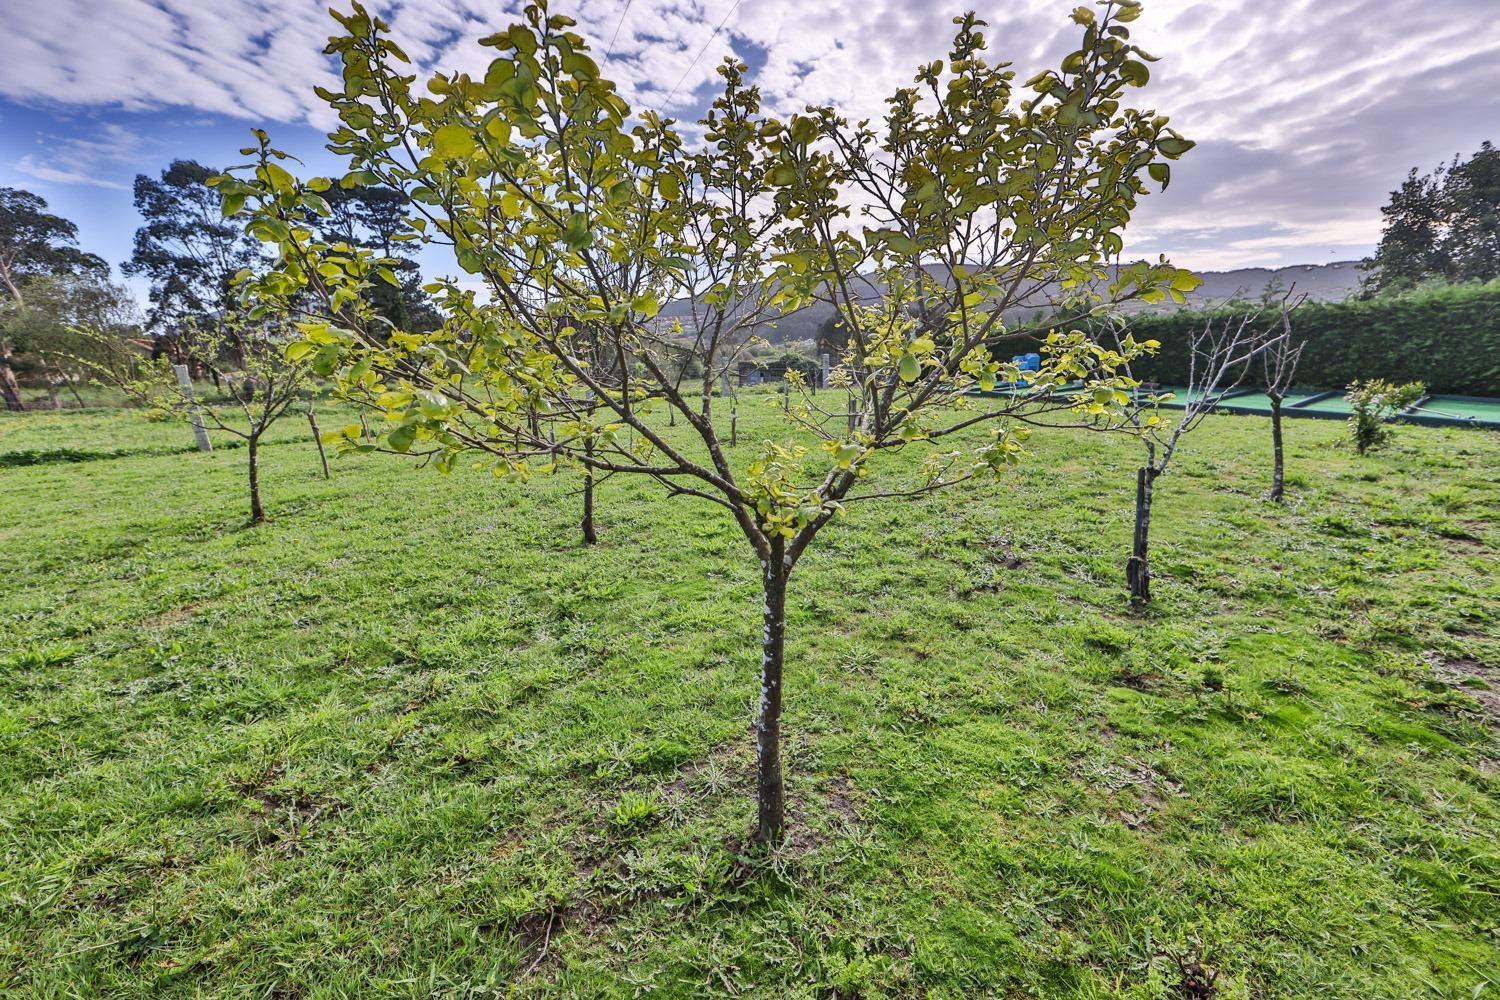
{"x":587,"y":524}
{"x":9,"y":387}
{"x":257,"y":512}
{"x":73,"y":388}
{"x":770,"y":795}
{"x":318,"y":439}
{"x":52,"y":396}
{"x":1138,"y":569}
{"x":589,"y":536}
{"x":1277,"y":480}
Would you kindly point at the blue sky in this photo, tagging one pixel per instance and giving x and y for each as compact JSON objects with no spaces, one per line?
{"x":1307,"y":112}
{"x":83,"y":159}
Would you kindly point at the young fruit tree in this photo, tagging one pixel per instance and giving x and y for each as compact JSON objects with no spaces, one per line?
{"x":975,"y":196}
{"x":1279,"y":364}
{"x":1373,"y":403}
{"x":190,"y":254}
{"x":257,"y":362}
{"x":1219,"y":355}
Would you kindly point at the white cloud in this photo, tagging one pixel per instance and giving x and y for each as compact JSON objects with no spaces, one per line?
{"x":29,"y":166}
{"x":1313,"y":109}
{"x":89,"y":157}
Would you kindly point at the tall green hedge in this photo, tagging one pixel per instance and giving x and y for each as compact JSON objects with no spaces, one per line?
{"x":1446,"y":337}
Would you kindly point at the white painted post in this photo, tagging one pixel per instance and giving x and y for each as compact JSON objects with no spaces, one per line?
{"x":827,"y":370}
{"x":734,"y":430}
{"x":185,"y":383}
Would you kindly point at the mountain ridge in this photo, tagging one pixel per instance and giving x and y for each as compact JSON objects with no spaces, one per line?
{"x":1330,"y":282}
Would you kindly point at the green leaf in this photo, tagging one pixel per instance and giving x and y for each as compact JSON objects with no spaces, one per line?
{"x":1185,"y":281}
{"x":646,"y":305}
{"x":576,"y":235}
{"x":1135,"y":73}
{"x":1172,"y":147}
{"x":453,"y":142}
{"x":358,"y":178}
{"x":469,"y":259}
{"x":278,"y":178}
{"x":619,"y":193}
{"x":402,"y":438}
{"x":910,"y":370}
{"x":498,"y":129}
{"x":1161,"y":173}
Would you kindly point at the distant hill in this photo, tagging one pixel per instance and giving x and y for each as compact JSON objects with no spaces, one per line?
{"x":1319,"y":282}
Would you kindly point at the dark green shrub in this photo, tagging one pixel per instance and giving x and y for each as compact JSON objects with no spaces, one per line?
{"x":1446,"y":337}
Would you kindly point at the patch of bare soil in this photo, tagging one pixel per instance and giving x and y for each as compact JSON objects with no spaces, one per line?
{"x":1149,"y":790}
{"x":1478,"y":680}
{"x":287,"y":816}
{"x":171,"y":616}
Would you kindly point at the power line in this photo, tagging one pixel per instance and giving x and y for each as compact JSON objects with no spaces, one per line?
{"x":611,"y":50}
{"x":706,"y":44}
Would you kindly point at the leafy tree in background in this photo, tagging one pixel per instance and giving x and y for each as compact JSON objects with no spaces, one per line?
{"x":581,"y":220}
{"x":190,"y":253}
{"x":1444,"y":225}
{"x":374,"y":217}
{"x":45,"y":328}
{"x":33,"y":243}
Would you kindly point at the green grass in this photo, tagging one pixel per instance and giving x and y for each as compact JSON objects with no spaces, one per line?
{"x":410,"y":739}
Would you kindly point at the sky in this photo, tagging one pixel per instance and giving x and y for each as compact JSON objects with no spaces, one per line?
{"x":1307,"y":113}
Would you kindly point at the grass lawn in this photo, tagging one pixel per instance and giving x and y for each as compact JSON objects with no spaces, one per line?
{"x":410,"y":739}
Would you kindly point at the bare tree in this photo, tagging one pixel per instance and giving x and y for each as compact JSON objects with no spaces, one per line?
{"x":1219,"y":355}
{"x":1279,"y":363}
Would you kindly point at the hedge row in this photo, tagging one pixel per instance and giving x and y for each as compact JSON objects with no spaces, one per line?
{"x":56,"y":456}
{"x":1446,"y":337}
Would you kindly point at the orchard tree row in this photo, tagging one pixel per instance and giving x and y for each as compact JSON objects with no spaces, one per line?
{"x":576,"y":219}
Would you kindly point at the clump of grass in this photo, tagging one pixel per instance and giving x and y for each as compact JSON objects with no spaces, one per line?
{"x":634,"y":809}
